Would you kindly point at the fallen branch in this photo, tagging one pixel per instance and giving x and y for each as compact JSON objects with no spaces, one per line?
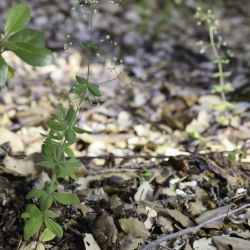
{"x":191,"y":230}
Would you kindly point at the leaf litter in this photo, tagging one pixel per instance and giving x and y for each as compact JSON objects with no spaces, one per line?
{"x":128,"y":202}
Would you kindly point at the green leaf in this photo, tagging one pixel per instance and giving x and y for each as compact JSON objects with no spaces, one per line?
{"x":222,"y":61}
{"x":94,"y":89}
{"x":70,"y":117}
{"x":51,"y":187}
{"x":53,"y":227}
{"x":30,"y":36}
{"x":82,"y":131}
{"x":56,"y":135}
{"x":66,"y":199}
{"x":30,"y":54}
{"x":47,"y":164}
{"x":36,"y":193}
{"x":79,"y":89}
{"x":64,"y":171}
{"x":72,"y":163}
{"x":58,"y":126}
{"x":69,"y":152}
{"x":223,"y":106}
{"x":32,"y":226}
{"x":223,"y":74}
{"x":17,"y":19}
{"x":81,"y":80}
{"x":70,"y":136}
{"x":47,"y":235}
{"x":46,"y":202}
{"x":51,"y":214}
{"x":33,"y":210}
{"x":11,"y":72}
{"x":227,"y":88}
{"x":25,"y":215}
{"x":3,"y":72}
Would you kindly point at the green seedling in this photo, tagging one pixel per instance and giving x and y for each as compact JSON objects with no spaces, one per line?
{"x":28,"y":44}
{"x":208,"y":19}
{"x":59,"y":158}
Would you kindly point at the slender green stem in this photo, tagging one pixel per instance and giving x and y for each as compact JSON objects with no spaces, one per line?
{"x":89,"y":61}
{"x":218,"y":60}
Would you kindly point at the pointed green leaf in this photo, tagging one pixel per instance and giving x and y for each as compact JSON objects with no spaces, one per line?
{"x":223,"y":74}
{"x":58,"y":126}
{"x":66,"y":199}
{"x":17,"y":19}
{"x":94,"y":89}
{"x":53,"y":227}
{"x":70,"y":136}
{"x":36,"y":193}
{"x":69,"y":152}
{"x":30,"y":54}
{"x":25,"y":215}
{"x":71,"y":163}
{"x":51,"y":214}
{"x":47,"y":164}
{"x":64,"y":171}
{"x":70,"y":117}
{"x":79,"y":89}
{"x":3,"y":72}
{"x":81,"y":80}
{"x":30,"y":36}
{"x":32,"y":226}
{"x":46,"y":202}
{"x":47,"y":235}
{"x":82,"y":131}
{"x":33,"y":210}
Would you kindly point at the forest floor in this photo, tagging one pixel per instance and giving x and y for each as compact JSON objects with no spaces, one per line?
{"x":158,"y":162}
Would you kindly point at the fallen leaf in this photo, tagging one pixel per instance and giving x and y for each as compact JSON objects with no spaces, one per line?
{"x":203,"y":244}
{"x":144,"y":192}
{"x":181,"y":218}
{"x":20,"y":167}
{"x":90,"y":243}
{"x":230,"y":243}
{"x":14,"y":140}
{"x":134,"y":227}
{"x":129,"y":243}
{"x":211,"y":214}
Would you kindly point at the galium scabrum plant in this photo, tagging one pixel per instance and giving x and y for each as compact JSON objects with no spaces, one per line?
{"x":59,"y":158}
{"x":223,"y":87}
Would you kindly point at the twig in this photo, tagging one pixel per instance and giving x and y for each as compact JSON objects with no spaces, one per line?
{"x":191,"y":230}
{"x":129,"y":157}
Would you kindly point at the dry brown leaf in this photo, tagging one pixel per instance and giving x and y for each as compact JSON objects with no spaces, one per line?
{"x":20,"y":167}
{"x":212,"y":214}
{"x":90,"y":243}
{"x":231,"y":243}
{"x":144,"y":192}
{"x":203,"y":244}
{"x":105,"y":231}
{"x":181,"y":218}
{"x":134,"y":227}
{"x":196,"y":207}
{"x":14,"y":140}
{"x":129,"y":243}
{"x":166,"y":224}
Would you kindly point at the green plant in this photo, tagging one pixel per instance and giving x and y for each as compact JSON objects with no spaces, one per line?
{"x":28,"y":44}
{"x":220,"y":60}
{"x":59,"y":159}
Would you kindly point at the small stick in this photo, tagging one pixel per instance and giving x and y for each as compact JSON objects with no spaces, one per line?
{"x":191,"y":230}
